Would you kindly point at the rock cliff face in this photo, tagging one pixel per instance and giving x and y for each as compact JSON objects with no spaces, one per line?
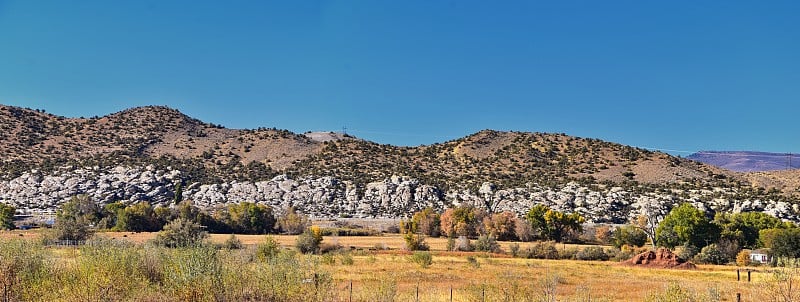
{"x":328,"y":197}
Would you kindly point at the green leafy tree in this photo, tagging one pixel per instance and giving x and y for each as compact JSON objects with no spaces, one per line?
{"x":535,"y":218}
{"x":178,"y":198}
{"x":138,"y":217}
{"x":686,"y":224}
{"x":787,"y":243}
{"x":413,"y":237}
{"x":551,"y":224}
{"x":251,"y":218}
{"x":744,"y":228}
{"x":110,"y":213}
{"x":628,"y":235}
{"x":7,"y":216}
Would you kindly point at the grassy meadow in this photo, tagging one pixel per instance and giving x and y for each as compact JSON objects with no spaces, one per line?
{"x":131,"y":270}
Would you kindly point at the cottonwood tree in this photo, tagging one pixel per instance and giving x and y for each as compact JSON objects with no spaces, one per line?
{"x":551,"y":224}
{"x":686,"y":224}
{"x":465,"y":220}
{"x":427,"y":222}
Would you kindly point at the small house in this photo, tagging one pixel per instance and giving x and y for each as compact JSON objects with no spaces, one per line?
{"x":760,"y":256}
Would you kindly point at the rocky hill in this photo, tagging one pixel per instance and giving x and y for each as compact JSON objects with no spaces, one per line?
{"x":143,"y":154}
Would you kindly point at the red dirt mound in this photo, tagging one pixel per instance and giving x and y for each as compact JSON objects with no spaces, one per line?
{"x":661,"y":258}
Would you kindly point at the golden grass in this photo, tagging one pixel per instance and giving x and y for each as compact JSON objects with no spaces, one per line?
{"x":607,"y":280}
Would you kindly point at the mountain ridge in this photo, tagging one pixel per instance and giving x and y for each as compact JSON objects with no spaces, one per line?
{"x":143,"y":153}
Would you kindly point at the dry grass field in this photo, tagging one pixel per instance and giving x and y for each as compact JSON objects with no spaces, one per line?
{"x":475,"y":276}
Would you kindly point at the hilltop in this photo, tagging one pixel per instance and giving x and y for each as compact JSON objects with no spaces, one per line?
{"x":35,"y":139}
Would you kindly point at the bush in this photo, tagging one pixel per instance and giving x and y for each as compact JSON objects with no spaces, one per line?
{"x":232,"y":243}
{"x":268,"y":249}
{"x":567,"y":253}
{"x":487,"y":244}
{"x":514,"y":248}
{"x":542,"y":250}
{"x":711,"y":254}
{"x":415,"y":242}
{"x":592,"y":253}
{"x":308,"y":242}
{"x":743,"y":258}
{"x":181,"y":233}
{"x":463,"y":244}
{"x":686,"y":251}
{"x":423,"y":259}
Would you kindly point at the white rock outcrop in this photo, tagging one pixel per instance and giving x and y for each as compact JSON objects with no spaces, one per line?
{"x":330,"y":197}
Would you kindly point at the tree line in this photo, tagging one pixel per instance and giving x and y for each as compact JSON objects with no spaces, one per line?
{"x":78,"y":218}
{"x":720,"y":239}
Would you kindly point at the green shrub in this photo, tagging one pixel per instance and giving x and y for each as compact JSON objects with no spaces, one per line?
{"x":514,"y":248}
{"x":232,"y":243}
{"x":686,"y":251}
{"x":415,"y":242}
{"x":181,"y":233}
{"x":423,"y":259}
{"x":592,"y":253}
{"x":567,"y":253}
{"x":195,"y":274}
{"x":308,"y":242}
{"x":487,"y":243}
{"x":711,"y":254}
{"x":542,"y":250}
{"x":268,"y":249}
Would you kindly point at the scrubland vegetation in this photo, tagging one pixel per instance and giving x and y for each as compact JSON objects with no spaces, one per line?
{"x":106,"y":269}
{"x":471,"y":252}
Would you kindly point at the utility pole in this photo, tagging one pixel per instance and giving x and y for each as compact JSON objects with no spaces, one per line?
{"x":344,"y":130}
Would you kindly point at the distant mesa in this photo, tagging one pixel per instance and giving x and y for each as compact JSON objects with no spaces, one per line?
{"x":748,"y":161}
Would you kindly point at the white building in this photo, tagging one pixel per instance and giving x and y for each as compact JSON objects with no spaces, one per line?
{"x":760,"y":256}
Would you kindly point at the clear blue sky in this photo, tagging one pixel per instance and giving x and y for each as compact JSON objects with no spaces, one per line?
{"x":680,"y":75}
